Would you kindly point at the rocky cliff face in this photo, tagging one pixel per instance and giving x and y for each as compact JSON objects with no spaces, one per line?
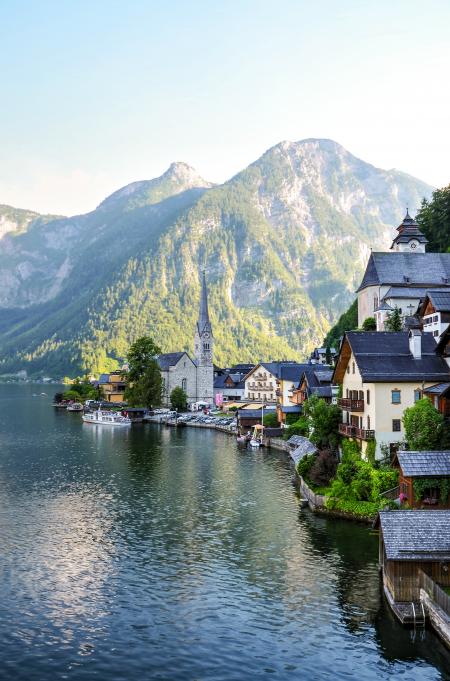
{"x":284,"y":243}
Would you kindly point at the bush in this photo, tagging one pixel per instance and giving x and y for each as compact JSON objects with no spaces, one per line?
{"x":304,"y":465}
{"x":324,"y":468}
{"x":300,"y":427}
{"x":358,"y":508}
{"x":270,"y":420}
{"x":369,"y":324}
{"x":350,"y":450}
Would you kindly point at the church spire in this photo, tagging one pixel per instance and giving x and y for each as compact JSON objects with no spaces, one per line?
{"x":203,"y":323}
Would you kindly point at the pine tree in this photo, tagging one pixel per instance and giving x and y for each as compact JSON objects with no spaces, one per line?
{"x":394,"y":321}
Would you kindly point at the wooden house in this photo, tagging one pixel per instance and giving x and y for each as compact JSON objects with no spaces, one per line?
{"x":424,"y":478}
{"x":439,"y":395}
{"x":414,"y":548}
{"x":113,"y":386}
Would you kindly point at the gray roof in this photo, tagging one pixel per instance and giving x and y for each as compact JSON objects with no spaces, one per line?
{"x":322,"y":391}
{"x":424,"y":464}
{"x":440,"y":299}
{"x":385,"y":356}
{"x":416,"y":535}
{"x":438,"y":389}
{"x":422,"y":269}
{"x":304,"y":447}
{"x":170,"y":359}
{"x":295,"y":409}
{"x":406,"y":292}
{"x":296,"y":440}
{"x":407,"y":230}
{"x":324,"y":375}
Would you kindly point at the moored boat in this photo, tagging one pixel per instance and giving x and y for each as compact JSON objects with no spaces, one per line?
{"x":106,"y":418}
{"x":75,"y":406}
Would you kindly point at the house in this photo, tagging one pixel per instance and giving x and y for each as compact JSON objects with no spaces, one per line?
{"x":113,"y":386}
{"x":402,"y":277}
{"x":382,"y":374}
{"x":261,"y":382}
{"x":287,"y":380}
{"x":435,"y":312}
{"x":315,"y":381}
{"x":228,"y":387}
{"x":431,"y":473}
{"x":439,"y":395}
{"x":414,"y":551}
{"x":195,"y":376}
{"x":319,"y":355}
{"x":251,"y":415}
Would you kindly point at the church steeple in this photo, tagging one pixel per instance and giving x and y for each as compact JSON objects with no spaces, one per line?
{"x":203,"y":323}
{"x":203,"y":349}
{"x":409,"y":238}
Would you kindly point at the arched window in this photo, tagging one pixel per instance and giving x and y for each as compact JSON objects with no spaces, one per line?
{"x":184,"y":384}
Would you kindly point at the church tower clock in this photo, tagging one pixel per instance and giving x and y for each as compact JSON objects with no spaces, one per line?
{"x":409,"y":238}
{"x":203,"y":349}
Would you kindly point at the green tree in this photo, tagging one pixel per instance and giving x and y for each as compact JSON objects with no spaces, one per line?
{"x":139,"y":356}
{"x":323,"y":419}
{"x":270,"y":420}
{"x":394,"y":321}
{"x":369,"y":324}
{"x":434,"y":220}
{"x":144,"y":381}
{"x":178,"y":398}
{"x":424,"y":426}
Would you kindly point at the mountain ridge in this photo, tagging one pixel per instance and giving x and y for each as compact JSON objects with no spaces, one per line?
{"x":283,"y":242}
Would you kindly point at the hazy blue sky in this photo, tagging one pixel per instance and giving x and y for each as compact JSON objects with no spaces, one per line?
{"x":95,"y":94}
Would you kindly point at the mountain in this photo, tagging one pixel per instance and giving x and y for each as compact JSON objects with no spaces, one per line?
{"x":284,"y":244}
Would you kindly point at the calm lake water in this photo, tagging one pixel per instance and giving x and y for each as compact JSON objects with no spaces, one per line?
{"x":157,"y":553}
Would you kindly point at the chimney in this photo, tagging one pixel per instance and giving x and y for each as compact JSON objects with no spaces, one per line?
{"x":415,"y":343}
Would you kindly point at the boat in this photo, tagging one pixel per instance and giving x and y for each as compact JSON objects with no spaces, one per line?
{"x":106,"y":418}
{"x":75,"y":406}
{"x":257,"y":436}
{"x":60,"y":405}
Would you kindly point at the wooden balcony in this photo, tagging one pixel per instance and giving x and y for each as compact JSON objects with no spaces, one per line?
{"x":352,"y":431}
{"x":350,"y":405}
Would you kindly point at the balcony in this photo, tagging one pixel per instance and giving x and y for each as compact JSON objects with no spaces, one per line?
{"x":350,"y":405}
{"x":352,"y":431}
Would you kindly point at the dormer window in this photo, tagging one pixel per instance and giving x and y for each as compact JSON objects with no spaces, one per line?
{"x":407,"y":280}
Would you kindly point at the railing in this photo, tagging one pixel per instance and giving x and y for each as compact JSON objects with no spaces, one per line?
{"x":347,"y":429}
{"x":350,"y":405}
{"x":435,"y":592}
{"x":392,"y":493}
{"x":364,"y":434}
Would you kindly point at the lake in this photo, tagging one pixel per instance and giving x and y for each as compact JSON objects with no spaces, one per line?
{"x":162,"y":553}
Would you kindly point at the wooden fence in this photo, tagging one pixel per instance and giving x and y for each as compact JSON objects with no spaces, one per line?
{"x":435,"y":592}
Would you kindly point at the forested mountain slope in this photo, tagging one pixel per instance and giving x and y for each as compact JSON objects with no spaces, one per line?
{"x":283,"y":243}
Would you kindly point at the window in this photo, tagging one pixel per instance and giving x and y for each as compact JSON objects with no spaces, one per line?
{"x":184,"y":384}
{"x":353,"y":367}
{"x":435,"y":318}
{"x":348,"y":368}
{"x":368,"y":422}
{"x":396,"y":425}
{"x":417,"y":394}
{"x":396,"y":396}
{"x":375,"y":303}
{"x":435,"y":333}
{"x":368,"y":397}
{"x":205,"y":346}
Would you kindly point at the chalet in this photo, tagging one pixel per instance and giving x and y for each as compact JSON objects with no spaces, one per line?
{"x":288,"y":378}
{"x":403,"y":277}
{"x":439,"y":395}
{"x":424,"y":478}
{"x":382,"y":374}
{"x":228,"y":387}
{"x":414,"y":555}
{"x":113,"y":386}
{"x":435,"y":312}
{"x":315,"y":381}
{"x":262,"y":382}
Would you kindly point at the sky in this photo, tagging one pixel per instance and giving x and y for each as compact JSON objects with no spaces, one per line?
{"x":95,"y":94}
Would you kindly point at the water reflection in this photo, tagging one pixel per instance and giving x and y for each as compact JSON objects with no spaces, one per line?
{"x":158,"y":553}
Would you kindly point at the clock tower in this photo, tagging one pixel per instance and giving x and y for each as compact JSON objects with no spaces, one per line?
{"x":203,"y":349}
{"x":409,"y":238}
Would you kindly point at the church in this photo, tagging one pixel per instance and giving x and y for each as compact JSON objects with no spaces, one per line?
{"x":195,"y":376}
{"x":402,"y":277}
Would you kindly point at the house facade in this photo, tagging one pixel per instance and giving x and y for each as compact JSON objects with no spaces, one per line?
{"x":382,"y":374}
{"x":261,"y":383}
{"x":435,"y":312}
{"x":113,"y":386}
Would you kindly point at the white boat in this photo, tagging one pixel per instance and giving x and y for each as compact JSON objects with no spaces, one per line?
{"x":106,"y":418}
{"x":254,"y":443}
{"x":75,"y":406}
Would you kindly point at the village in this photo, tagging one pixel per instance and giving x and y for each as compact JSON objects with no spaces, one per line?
{"x":365,"y":424}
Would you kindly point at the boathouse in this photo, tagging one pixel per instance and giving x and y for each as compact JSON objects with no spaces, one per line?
{"x":414,"y":553}
{"x":424,"y":478}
